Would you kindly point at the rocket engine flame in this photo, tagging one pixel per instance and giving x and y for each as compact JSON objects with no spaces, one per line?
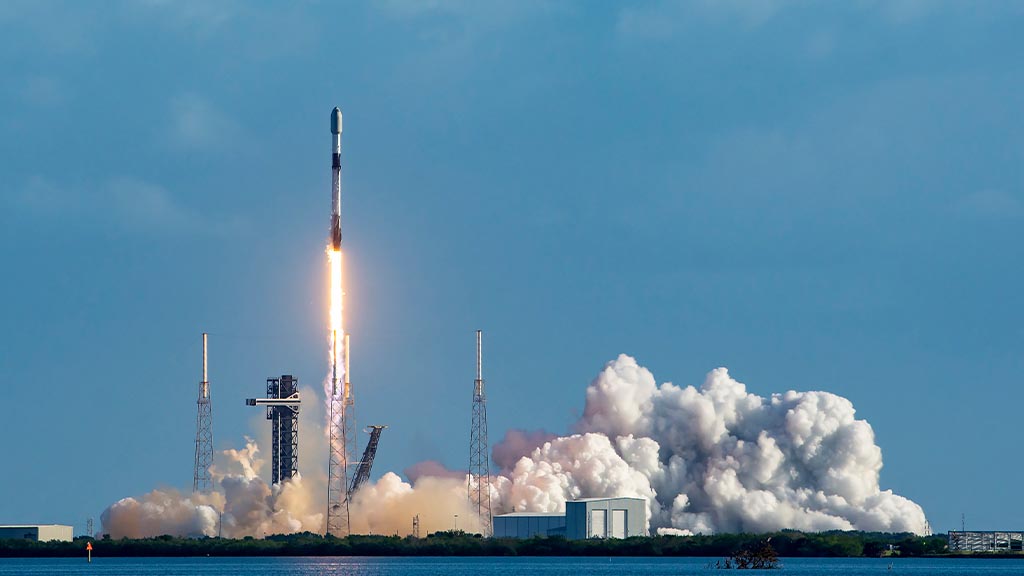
{"x":336,"y":326}
{"x":336,"y":383}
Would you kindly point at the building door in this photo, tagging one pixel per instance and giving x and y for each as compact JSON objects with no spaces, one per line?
{"x":598,"y":524}
{"x":618,"y":524}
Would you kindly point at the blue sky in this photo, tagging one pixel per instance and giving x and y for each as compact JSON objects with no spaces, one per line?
{"x":815,"y":195}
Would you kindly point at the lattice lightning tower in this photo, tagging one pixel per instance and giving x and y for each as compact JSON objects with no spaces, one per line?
{"x":201,"y":481}
{"x":342,"y":435}
{"x":479,"y":483}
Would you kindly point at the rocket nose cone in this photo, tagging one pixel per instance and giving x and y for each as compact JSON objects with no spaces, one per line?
{"x":336,"y":121}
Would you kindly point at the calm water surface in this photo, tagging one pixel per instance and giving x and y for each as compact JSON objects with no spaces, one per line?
{"x":489,"y":566}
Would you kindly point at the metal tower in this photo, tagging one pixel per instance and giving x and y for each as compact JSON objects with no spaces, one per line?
{"x":479,"y":479}
{"x":342,"y":436}
{"x":282,"y":404}
{"x":363,"y":471}
{"x":201,"y":481}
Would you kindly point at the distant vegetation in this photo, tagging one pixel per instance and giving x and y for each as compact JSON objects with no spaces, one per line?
{"x":786,"y":544}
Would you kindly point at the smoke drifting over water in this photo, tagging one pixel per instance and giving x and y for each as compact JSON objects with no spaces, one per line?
{"x":709,"y":459}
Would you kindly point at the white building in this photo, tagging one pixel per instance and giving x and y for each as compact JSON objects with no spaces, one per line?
{"x":605,"y":518}
{"x":37,"y":532}
{"x":582,"y":519}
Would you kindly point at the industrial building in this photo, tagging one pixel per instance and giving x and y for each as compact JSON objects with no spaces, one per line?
{"x":986,"y":541}
{"x":584,"y":518}
{"x":529,"y":524}
{"x":37,"y":532}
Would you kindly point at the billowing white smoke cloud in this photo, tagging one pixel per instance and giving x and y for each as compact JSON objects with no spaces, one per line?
{"x":714,"y":459}
{"x":250,"y":506}
{"x":163,"y":512}
{"x":388,"y":505}
{"x":708,"y":459}
{"x":579,"y":466}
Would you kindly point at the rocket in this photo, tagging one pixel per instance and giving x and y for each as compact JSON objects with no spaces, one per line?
{"x":336,"y":180}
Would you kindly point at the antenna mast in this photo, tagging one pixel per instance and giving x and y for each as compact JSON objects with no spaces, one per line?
{"x":342,"y":437}
{"x":201,"y":481}
{"x":479,"y":482}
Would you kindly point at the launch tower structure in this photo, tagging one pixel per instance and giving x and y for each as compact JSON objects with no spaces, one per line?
{"x":479,"y":479}
{"x":342,"y":434}
{"x":282,"y":403}
{"x":201,"y":481}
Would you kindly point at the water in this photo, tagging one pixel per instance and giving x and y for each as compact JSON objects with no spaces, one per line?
{"x":491,"y":566}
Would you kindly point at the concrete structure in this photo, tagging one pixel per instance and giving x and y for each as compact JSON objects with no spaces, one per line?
{"x":582,"y":519}
{"x":37,"y":532}
{"x":529,"y":524}
{"x":605,"y":518}
{"x":986,"y":541}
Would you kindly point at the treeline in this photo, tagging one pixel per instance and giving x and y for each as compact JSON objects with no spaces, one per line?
{"x":787,"y":543}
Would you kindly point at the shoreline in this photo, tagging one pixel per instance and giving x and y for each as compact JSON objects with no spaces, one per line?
{"x":788,"y":544}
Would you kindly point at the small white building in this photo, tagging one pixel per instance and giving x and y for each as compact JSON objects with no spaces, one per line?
{"x":605,"y":518}
{"x":582,"y":519}
{"x":37,"y":532}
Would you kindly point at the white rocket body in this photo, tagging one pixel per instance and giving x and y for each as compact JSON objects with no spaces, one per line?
{"x":336,"y":180}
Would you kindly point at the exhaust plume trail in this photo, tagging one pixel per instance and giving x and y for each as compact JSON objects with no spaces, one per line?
{"x":337,"y":386}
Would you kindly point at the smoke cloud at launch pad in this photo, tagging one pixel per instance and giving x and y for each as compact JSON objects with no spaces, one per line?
{"x":713,"y":458}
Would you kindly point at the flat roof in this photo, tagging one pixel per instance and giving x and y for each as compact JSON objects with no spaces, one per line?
{"x":986,"y":531}
{"x":33,"y":525}
{"x":521,"y":514}
{"x":608,"y":498}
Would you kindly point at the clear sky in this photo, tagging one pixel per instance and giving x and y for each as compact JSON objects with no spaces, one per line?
{"x":817,"y":196}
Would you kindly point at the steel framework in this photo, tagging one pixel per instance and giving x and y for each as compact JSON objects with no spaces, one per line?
{"x":201,"y":481}
{"x":342,"y":435}
{"x":479,"y":478}
{"x":366,"y":464}
{"x":282,"y":403}
{"x":986,"y":541}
